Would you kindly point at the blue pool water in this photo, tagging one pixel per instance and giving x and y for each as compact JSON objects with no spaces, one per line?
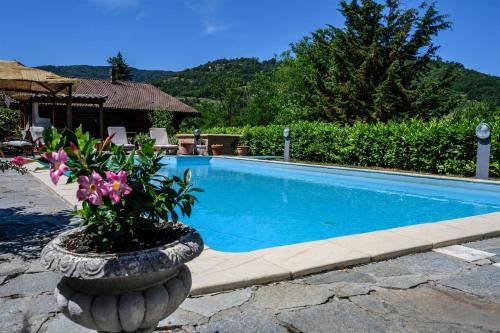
{"x":250,"y":205}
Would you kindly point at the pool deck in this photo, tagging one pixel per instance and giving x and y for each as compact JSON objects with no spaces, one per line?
{"x":215,"y":271}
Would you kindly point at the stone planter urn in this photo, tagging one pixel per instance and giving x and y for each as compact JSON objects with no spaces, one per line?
{"x":123,"y":292}
{"x":242,"y":150}
{"x":217,"y":149}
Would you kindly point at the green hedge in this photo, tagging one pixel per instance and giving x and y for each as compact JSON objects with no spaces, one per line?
{"x":438,"y":146}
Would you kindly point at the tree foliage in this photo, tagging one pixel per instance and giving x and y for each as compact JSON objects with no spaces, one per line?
{"x":123,"y":71}
{"x":197,"y":81}
{"x":374,"y":69}
{"x":9,"y":121}
{"x":446,"y":146}
{"x":162,"y":118}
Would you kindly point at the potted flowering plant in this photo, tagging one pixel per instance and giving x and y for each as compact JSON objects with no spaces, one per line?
{"x":124,"y":268}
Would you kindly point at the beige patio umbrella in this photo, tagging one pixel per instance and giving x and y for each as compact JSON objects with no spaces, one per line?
{"x":16,"y":78}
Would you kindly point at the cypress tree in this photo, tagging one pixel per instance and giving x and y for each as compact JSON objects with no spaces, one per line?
{"x":123,"y":70}
{"x":374,"y":68}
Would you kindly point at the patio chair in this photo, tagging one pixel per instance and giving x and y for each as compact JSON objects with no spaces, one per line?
{"x":120,"y":137}
{"x":23,"y":144}
{"x":25,"y":130}
{"x":16,"y":144}
{"x":37,"y":135}
{"x":160,"y":136}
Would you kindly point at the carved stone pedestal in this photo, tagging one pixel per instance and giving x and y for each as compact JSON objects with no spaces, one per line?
{"x":125,"y":292}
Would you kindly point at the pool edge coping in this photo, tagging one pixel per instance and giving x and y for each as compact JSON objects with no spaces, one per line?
{"x":216,"y":271}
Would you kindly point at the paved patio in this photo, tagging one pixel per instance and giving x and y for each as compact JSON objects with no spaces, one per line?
{"x":425,"y":292}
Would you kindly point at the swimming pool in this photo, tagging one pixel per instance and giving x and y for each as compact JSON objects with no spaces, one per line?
{"x":249,"y":205}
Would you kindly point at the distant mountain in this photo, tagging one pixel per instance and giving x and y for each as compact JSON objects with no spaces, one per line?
{"x":102,"y":72}
{"x":194,"y":82}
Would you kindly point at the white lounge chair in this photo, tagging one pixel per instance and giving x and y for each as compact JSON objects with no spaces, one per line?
{"x":120,"y":137}
{"x":37,"y":135}
{"x":37,"y":120}
{"x":160,"y":136}
{"x":25,"y":131}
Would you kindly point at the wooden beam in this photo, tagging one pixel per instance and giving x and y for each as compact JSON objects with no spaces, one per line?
{"x":70,"y":86}
{"x":101,"y":120}
{"x":54,"y":111}
{"x":49,"y":89}
{"x":69,"y":111}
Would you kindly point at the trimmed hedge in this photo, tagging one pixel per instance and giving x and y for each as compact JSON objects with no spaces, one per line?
{"x":442,"y":146}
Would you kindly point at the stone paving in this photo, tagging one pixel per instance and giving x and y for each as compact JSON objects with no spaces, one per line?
{"x":425,"y":292}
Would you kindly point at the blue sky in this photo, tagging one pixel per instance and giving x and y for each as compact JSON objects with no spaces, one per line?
{"x":176,"y":34}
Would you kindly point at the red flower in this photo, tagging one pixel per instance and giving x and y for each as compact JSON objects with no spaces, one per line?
{"x":19,"y":161}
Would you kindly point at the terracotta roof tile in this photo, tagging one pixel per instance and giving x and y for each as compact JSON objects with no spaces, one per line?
{"x":125,"y":95}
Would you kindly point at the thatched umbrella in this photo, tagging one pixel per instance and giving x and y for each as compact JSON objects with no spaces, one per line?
{"x":16,"y":78}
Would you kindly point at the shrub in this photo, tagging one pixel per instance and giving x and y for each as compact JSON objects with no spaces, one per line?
{"x":445,"y":146}
{"x":162,"y":118}
{"x":9,"y":122}
{"x":143,"y":139}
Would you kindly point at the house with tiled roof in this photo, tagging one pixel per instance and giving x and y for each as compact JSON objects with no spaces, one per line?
{"x":128,"y":104}
{"x":125,"y":104}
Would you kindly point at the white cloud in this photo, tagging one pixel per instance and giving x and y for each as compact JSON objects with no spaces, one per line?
{"x":206,"y":10}
{"x":213,"y":28}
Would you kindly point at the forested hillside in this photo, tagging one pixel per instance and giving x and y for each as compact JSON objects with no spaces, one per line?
{"x":102,"y":72}
{"x":195,"y":82}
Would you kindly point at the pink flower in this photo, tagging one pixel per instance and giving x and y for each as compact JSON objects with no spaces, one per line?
{"x":74,"y":148}
{"x":19,"y":161}
{"x":57,"y":166}
{"x":117,"y":185}
{"x":91,"y":188}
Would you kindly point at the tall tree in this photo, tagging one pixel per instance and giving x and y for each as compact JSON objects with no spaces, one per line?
{"x":374,"y":69}
{"x":123,"y":70}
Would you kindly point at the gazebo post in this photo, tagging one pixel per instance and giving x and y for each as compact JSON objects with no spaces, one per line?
{"x":26,"y":116}
{"x":101,"y":120}
{"x":54,"y":110}
{"x":69,"y":112}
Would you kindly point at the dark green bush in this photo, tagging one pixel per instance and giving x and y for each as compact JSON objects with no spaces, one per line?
{"x":9,"y":122}
{"x":445,"y":146}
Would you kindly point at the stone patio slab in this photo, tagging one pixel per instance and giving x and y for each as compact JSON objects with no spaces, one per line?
{"x":217,"y":302}
{"x":312,"y":257}
{"x":439,"y":234}
{"x":486,"y":224}
{"x":233,"y":271}
{"x":491,"y":216}
{"x":465,"y":253}
{"x":382,"y":244}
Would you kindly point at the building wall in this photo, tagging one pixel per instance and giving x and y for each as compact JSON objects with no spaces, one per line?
{"x":88,"y":118}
